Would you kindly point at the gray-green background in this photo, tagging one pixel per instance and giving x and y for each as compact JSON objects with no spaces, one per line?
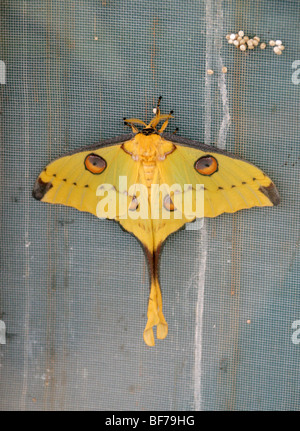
{"x":74,"y":289}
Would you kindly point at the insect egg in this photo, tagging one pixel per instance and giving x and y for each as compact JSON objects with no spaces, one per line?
{"x":277,"y":50}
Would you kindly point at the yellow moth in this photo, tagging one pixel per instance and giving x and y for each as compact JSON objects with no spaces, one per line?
{"x":153,"y":183}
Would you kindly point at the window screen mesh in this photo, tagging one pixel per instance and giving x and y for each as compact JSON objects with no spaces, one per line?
{"x":74,"y":289}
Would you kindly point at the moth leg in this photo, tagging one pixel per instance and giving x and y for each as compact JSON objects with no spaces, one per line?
{"x":165,"y":123}
{"x":129,"y":124}
{"x":157,"y":106}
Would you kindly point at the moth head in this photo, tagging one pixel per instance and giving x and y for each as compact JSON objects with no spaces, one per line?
{"x":151,"y":128}
{"x":148,"y":131}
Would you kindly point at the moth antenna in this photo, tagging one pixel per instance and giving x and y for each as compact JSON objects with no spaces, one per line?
{"x":157,"y":110}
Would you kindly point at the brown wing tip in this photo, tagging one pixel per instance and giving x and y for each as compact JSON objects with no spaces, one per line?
{"x":40,"y":189}
{"x":272,"y":193}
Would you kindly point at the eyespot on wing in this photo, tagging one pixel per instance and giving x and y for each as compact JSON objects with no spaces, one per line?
{"x":169,"y":204}
{"x":206,"y":165}
{"x":133,"y":204}
{"x":95,"y":164}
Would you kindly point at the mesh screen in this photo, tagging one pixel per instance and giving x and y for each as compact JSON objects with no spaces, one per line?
{"x":74,"y":289}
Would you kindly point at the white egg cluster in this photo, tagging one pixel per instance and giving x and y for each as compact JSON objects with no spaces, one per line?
{"x":277,"y":46}
{"x":243,"y":42}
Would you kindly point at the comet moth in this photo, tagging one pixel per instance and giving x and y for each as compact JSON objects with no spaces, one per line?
{"x":151,"y":182}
